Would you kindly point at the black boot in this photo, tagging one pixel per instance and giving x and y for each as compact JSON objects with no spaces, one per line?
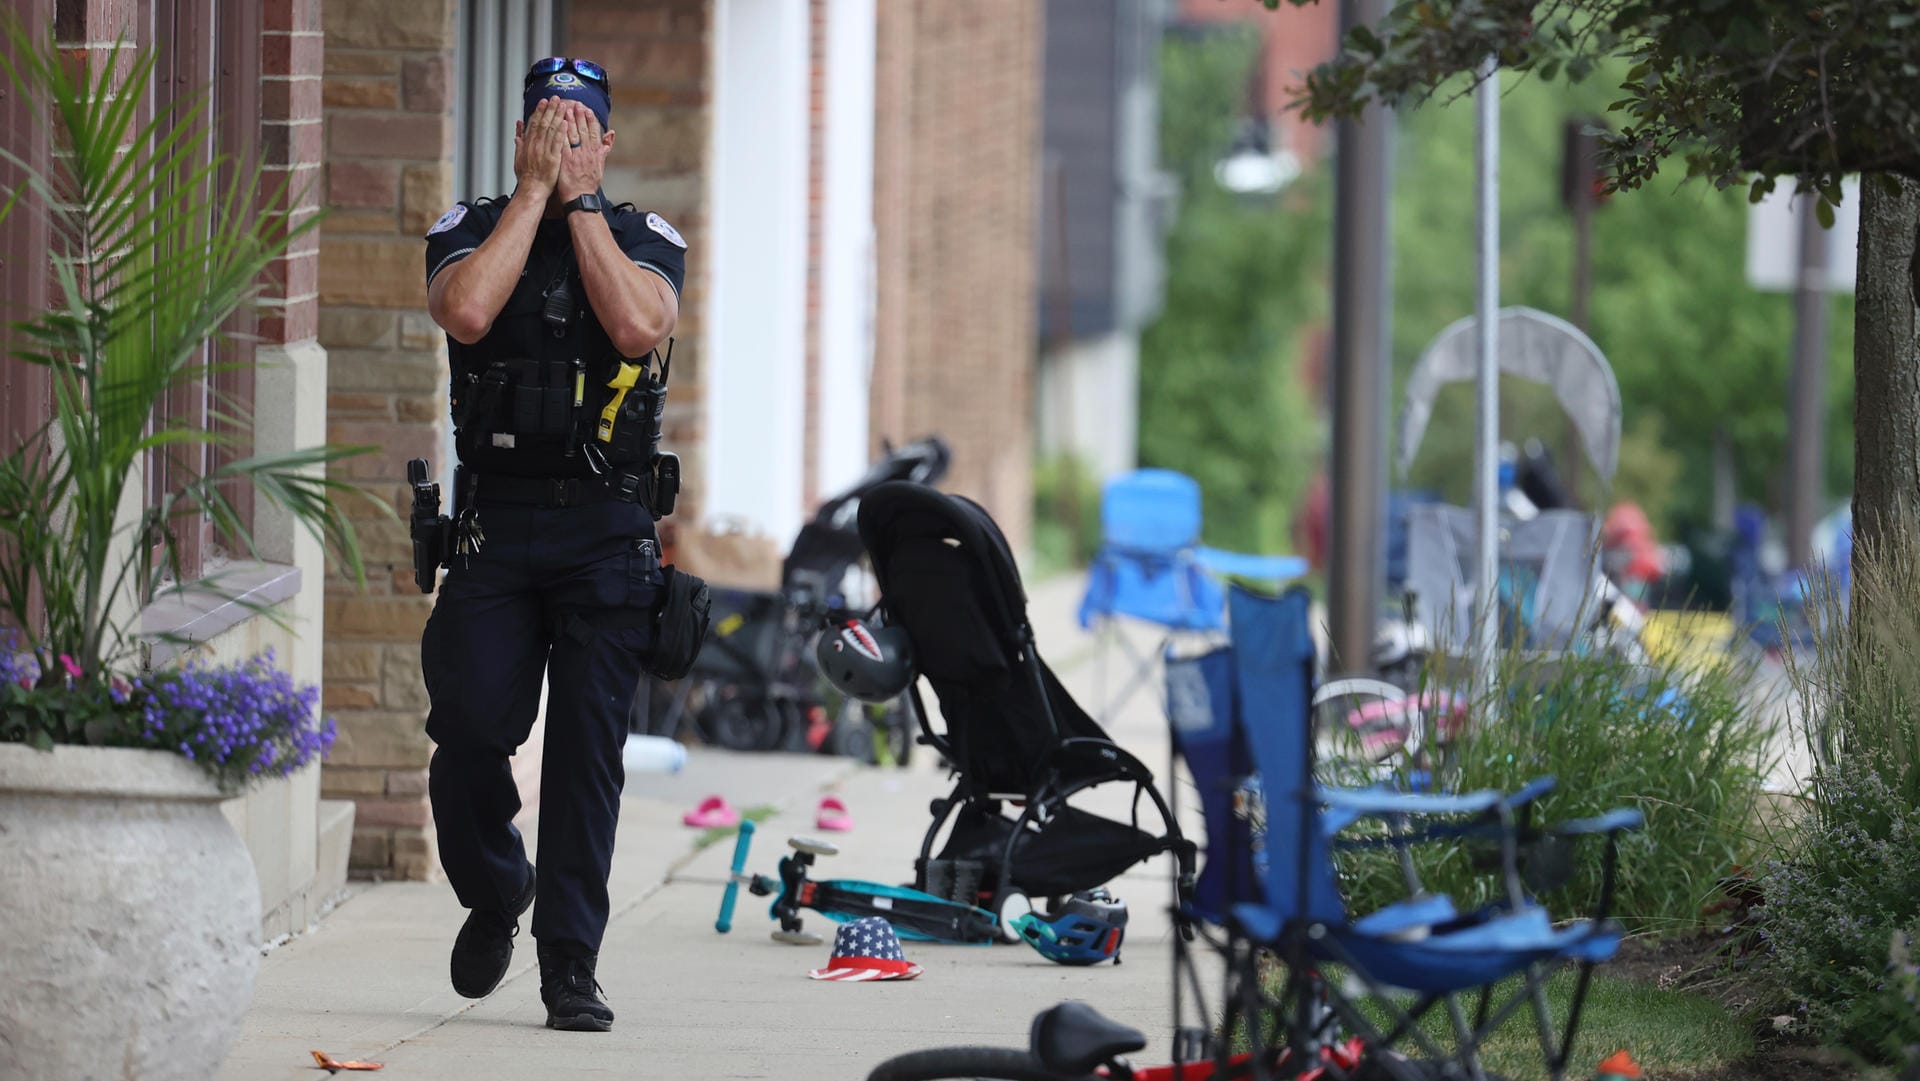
{"x":572,"y":995}
{"x":484,"y":948}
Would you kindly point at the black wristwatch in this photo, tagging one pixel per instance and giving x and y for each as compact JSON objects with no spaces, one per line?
{"x":589,"y":201}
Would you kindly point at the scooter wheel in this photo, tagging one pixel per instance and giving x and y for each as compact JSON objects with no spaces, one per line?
{"x":813,"y":847}
{"x":798,"y":938}
{"x":1008,"y":907}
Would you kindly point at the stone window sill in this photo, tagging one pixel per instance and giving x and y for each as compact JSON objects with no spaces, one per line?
{"x":213,"y":606}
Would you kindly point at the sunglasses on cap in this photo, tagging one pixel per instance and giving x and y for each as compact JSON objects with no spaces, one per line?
{"x":586,"y":69}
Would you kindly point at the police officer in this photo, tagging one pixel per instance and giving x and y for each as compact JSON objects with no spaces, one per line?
{"x":553,"y":302}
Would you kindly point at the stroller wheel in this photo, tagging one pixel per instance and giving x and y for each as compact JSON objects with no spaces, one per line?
{"x":740,"y":721}
{"x":817,"y":848}
{"x":797,"y":938}
{"x":1010,"y":906}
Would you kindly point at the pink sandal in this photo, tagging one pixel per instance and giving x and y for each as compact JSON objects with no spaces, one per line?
{"x":833,"y":816}
{"x":713,"y":813}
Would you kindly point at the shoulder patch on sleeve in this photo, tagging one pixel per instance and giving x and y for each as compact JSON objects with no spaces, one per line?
{"x":450,"y":219}
{"x":659,"y":225}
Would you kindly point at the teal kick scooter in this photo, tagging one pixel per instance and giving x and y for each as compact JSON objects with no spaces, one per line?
{"x":913,"y":914}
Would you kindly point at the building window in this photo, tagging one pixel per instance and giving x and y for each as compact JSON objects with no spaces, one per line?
{"x":204,"y":43}
{"x":497,"y":40}
{"x":24,"y":273}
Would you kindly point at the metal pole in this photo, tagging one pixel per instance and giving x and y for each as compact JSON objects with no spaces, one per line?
{"x":1486,"y":491}
{"x":1806,"y":411}
{"x":1582,"y":196}
{"x":1362,"y":304}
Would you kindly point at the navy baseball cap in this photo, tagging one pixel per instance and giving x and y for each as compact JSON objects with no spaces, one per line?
{"x":564,"y":77}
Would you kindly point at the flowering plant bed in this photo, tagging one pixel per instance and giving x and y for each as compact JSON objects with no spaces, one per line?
{"x":241,"y":722}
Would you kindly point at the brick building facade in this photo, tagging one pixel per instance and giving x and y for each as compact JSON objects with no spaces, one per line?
{"x":1293,"y":41}
{"x":389,"y":135}
{"x":956,"y":174}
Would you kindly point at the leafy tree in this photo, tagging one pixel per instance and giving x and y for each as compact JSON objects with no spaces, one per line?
{"x":1746,"y":92}
{"x":1695,"y":348}
{"x":1220,"y":395}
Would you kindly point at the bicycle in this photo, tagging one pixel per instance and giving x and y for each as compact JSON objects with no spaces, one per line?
{"x":1073,"y":1042}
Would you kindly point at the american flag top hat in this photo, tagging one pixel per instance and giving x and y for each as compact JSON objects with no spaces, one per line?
{"x":866,"y":949}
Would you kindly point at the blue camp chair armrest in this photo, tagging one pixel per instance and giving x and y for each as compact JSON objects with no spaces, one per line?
{"x":1336,"y":819}
{"x":1379,"y":802}
{"x":1421,"y":912}
{"x":1531,"y":791}
{"x":1614,"y":821}
{"x":1245,"y":565}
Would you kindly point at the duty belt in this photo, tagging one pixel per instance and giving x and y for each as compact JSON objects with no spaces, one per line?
{"x":564,"y":491}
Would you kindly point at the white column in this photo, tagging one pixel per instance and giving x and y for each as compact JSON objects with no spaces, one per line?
{"x":846,"y":245}
{"x":756,"y":322}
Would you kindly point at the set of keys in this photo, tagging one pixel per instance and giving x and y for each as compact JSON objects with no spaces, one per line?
{"x":467,"y":536}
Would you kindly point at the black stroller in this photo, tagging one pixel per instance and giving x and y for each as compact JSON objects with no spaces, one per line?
{"x":1013,"y":733}
{"x":754,"y":686}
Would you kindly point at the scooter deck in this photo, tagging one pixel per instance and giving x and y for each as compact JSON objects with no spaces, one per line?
{"x":914,"y":915}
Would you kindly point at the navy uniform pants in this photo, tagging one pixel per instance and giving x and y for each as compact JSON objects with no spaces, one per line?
{"x":546,"y":595}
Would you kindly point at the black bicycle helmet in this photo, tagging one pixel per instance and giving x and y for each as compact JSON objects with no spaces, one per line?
{"x":872,"y":664}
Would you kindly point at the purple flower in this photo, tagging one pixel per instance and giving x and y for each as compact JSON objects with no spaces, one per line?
{"x":242,"y":721}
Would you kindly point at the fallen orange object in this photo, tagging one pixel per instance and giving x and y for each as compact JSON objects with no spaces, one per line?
{"x":330,"y":1064}
{"x":1619,"y":1066}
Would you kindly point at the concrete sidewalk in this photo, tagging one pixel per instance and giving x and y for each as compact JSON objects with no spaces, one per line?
{"x":371,"y":981}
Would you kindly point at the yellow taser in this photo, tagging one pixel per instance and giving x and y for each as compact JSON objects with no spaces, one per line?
{"x":621,"y":382}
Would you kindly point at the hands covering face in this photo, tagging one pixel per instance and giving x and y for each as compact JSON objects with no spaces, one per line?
{"x":560,"y":148}
{"x":537,"y":144}
{"x":584,"y":161}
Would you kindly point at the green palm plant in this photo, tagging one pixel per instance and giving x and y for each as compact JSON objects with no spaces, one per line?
{"x":153,"y":252}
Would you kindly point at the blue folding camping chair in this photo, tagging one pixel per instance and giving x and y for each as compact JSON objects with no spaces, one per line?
{"x":1240,"y":717}
{"x":1152,"y":567}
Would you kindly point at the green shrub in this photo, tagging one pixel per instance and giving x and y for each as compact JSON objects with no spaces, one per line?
{"x":1851,"y":877}
{"x":1066,"y":512}
{"x":1601,"y":726}
{"x":1833,"y":905}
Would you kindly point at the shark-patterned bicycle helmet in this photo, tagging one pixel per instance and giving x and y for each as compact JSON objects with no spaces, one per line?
{"x":1087,"y":930}
{"x":872,"y":664}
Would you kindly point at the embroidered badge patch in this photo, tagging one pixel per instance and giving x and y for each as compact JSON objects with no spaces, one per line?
{"x":563,"y":80}
{"x":450,"y":219}
{"x":659,"y":225}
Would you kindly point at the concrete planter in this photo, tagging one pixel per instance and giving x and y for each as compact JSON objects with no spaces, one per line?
{"x":129,"y":917}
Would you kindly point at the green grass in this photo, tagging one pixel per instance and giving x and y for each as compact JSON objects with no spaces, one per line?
{"x":1593,"y":722}
{"x":1664,"y":1031}
{"x":756,"y":814}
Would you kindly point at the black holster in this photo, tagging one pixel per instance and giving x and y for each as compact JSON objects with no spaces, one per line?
{"x":432,"y":531}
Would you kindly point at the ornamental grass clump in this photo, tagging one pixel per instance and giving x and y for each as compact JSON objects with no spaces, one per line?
{"x":1849,"y":878}
{"x":1678,"y":740}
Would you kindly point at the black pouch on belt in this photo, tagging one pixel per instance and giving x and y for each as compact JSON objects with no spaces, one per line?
{"x":686,"y":607}
{"x":543,"y":398}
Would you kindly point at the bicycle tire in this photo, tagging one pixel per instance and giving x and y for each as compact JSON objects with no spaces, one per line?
{"x":970,"y":1064}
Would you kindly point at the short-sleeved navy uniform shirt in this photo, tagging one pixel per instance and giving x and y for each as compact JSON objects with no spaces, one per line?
{"x":519,"y":331}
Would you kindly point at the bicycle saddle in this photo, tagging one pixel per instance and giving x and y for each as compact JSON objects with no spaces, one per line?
{"x":1073,"y":1038}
